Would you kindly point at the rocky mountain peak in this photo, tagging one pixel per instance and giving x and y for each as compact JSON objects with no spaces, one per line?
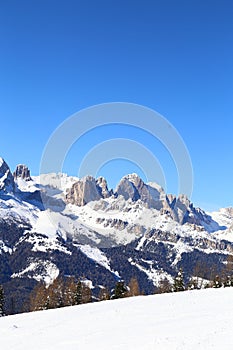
{"x":86,"y":190}
{"x":22,"y":172}
{"x":103,"y":187}
{"x":135,"y":179}
{"x":127,"y":188}
{"x":133,"y":187}
{"x":3,"y":167}
{"x":6,"y":178}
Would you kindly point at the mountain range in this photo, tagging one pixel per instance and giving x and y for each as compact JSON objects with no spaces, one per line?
{"x":55,"y":224}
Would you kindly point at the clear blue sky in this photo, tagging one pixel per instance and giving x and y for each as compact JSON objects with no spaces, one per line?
{"x":176,"y":57}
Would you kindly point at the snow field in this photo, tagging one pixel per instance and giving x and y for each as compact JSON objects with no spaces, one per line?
{"x":187,"y":320}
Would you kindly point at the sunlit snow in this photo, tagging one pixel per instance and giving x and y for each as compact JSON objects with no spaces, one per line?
{"x":184,"y":321}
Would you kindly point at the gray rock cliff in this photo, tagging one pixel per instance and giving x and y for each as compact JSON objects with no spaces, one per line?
{"x":22,"y":172}
{"x":7,"y":184}
{"x":86,"y":190}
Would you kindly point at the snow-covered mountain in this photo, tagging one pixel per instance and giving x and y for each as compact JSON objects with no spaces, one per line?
{"x":56,"y":224}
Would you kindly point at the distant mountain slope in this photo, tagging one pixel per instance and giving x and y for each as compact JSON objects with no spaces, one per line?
{"x":186,"y":320}
{"x":59,"y":225}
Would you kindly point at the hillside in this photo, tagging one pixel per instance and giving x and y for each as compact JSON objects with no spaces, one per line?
{"x":187,"y":320}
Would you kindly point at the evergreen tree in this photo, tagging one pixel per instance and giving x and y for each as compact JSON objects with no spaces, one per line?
{"x":120,"y":290}
{"x":1,"y":302}
{"x":193,"y":283}
{"x":164,"y":286}
{"x":217,"y":282}
{"x":179,"y":282}
{"x":228,"y":282}
{"x":47,"y":304}
{"x":78,"y":293}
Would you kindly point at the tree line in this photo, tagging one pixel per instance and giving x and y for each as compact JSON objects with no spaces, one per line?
{"x":68,"y":291}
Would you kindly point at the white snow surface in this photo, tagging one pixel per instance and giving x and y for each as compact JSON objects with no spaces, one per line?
{"x":26,"y":186}
{"x":184,"y":321}
{"x":97,"y":255}
{"x":4,"y":247}
{"x":155,"y":275}
{"x":50,"y":272}
{"x":55,"y":182}
{"x":225,"y":218}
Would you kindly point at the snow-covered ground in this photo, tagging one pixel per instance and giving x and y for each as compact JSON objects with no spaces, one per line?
{"x":188,"y":320}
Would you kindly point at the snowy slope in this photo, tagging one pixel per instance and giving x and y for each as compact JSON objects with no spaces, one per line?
{"x":225,"y":218}
{"x":109,"y":221}
{"x":55,"y":230}
{"x":188,"y":320}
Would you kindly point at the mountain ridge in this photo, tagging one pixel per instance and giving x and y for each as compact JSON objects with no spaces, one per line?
{"x":59,"y":225}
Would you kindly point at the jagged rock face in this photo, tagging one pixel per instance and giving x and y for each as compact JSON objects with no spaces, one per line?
{"x":22,"y":172}
{"x":127,"y":189}
{"x":86,"y":190}
{"x":181,"y":210}
{"x":132,"y":187}
{"x":6,"y":178}
{"x":103,"y":187}
{"x":116,"y":223}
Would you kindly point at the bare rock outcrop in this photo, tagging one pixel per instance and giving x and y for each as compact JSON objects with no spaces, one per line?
{"x":131,"y":186}
{"x":7,"y":184}
{"x":22,"y":172}
{"x":86,"y":190}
